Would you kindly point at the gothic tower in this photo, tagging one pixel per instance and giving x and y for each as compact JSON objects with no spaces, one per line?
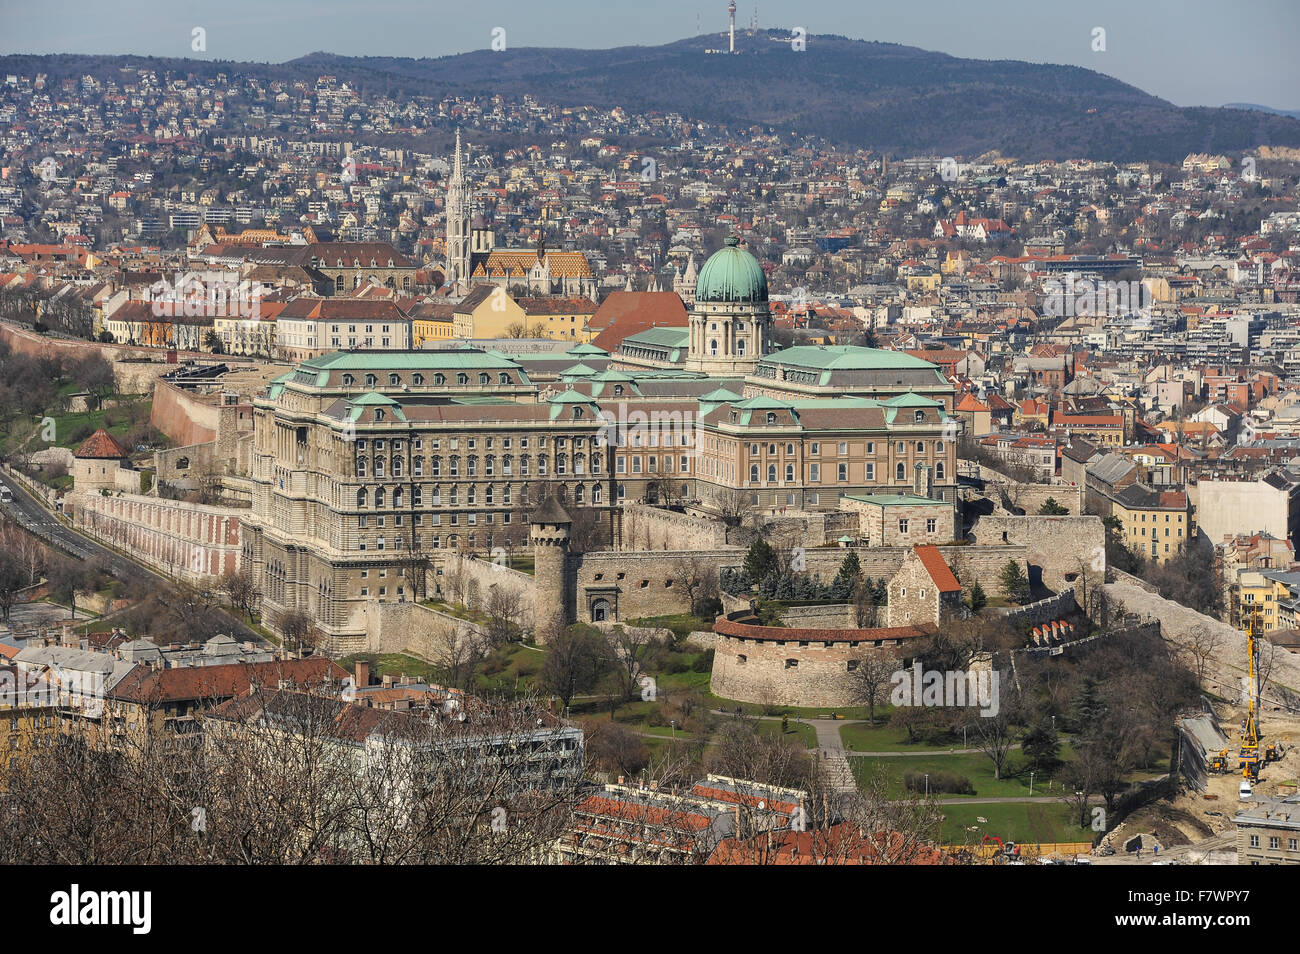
{"x":458,"y":225}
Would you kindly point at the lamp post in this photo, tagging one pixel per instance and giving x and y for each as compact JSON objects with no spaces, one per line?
{"x":927,"y":784}
{"x":1031,"y":784}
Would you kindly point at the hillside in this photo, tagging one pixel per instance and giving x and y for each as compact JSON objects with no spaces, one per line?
{"x":895,"y":99}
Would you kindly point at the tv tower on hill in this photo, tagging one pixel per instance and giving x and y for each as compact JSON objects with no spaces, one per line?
{"x":731,"y":12}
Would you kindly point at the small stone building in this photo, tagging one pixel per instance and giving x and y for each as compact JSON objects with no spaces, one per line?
{"x":892,"y":520}
{"x":95,"y":464}
{"x":924,"y":590}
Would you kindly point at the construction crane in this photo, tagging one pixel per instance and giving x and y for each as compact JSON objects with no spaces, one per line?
{"x":1252,"y":758}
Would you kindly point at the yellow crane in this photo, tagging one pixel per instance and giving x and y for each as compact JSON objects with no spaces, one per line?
{"x":1251,"y":758}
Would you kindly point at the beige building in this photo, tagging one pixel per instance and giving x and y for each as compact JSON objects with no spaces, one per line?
{"x":905,"y":519}
{"x":1268,"y":832}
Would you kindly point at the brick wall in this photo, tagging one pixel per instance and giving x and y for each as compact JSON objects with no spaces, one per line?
{"x":189,"y":541}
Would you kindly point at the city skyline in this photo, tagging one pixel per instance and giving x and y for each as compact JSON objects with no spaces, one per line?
{"x":1247,"y":65}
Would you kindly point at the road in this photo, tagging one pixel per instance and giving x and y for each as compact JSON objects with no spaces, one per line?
{"x":32,"y":515}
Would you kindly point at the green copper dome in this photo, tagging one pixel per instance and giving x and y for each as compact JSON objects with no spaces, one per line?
{"x":731,"y":275}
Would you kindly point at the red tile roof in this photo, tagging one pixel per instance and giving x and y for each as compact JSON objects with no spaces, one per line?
{"x":151,"y":686}
{"x":100,"y":445}
{"x":932,"y":560}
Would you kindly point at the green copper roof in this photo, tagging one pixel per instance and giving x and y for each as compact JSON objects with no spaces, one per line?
{"x":661,"y":337}
{"x":731,"y":274}
{"x":898,"y":500}
{"x":587,"y":349}
{"x":911,"y":399}
{"x":844,"y":358}
{"x":721,"y":395}
{"x":578,"y":371}
{"x":570,"y":397}
{"x":372,"y":397}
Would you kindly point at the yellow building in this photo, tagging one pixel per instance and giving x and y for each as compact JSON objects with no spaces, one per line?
{"x":561,"y":317}
{"x":1257,"y":590}
{"x":432,"y":321}
{"x":27,"y":719}
{"x":487,"y":311}
{"x":1155,"y":523}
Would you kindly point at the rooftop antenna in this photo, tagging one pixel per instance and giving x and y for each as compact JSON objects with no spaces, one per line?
{"x":731,"y":15}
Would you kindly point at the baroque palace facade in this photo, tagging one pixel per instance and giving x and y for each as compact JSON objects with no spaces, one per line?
{"x":369,"y":467}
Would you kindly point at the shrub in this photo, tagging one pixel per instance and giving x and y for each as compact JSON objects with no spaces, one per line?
{"x":703,"y":662}
{"x":948,"y":783}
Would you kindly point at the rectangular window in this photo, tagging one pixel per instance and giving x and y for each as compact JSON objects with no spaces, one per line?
{"x":815,"y":472}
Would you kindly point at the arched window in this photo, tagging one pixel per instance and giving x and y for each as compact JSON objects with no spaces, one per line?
{"x":379,"y":497}
{"x":348,"y":380}
{"x":483,"y":379}
{"x":740,"y":347}
{"x":440,"y":378}
{"x":361,"y":497}
{"x":920,"y":416}
{"x":507,"y":465}
{"x":371,"y":381}
{"x":900,"y":472}
{"x":938,"y":447}
{"x":397,"y":467}
{"x":753,"y":473}
{"x":489,"y":465}
{"x":595,"y":494}
{"x":579,"y":494}
{"x":789,"y":472}
{"x":920,"y":447}
{"x":453,"y":466}
{"x":771,"y":417}
{"x":394,"y":379}
{"x":417,"y":379}
{"x":397,"y":498}
{"x":462,"y":378}
{"x":435,"y":467}
{"x":379,"y":467}
{"x":561,"y":464}
{"x":503,"y":378}
{"x":713,"y":346}
{"x":938,"y":470}
{"x":771,"y":473}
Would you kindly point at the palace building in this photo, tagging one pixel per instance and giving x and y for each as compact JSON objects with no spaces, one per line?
{"x":371,"y":467}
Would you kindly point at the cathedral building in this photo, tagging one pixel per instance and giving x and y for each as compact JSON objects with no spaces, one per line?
{"x":473,"y":258}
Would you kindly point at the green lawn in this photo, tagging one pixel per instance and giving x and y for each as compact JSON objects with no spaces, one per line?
{"x":1034,"y":823}
{"x":680,"y":623}
{"x":391,"y":664}
{"x":860,"y":737}
{"x":975,"y":766}
{"x":795,"y":732}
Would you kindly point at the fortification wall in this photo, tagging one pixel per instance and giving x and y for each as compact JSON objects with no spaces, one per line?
{"x":468,"y":581}
{"x":182,"y":417}
{"x":645,"y":583}
{"x":409,"y":628}
{"x":133,"y":376}
{"x":189,"y":541}
{"x":652,"y":528}
{"x":797,"y":667}
{"x":1064,"y":548}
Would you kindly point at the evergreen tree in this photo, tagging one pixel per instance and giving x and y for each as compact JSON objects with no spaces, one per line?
{"x":978,"y":598}
{"x":1014,"y":582}
{"x":760,"y":560}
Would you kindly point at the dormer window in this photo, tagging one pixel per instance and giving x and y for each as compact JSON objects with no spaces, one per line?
{"x":503,"y":378}
{"x":348,"y":380}
{"x":439,"y":378}
{"x":371,"y":380}
{"x":771,"y":417}
{"x":920,"y":416}
{"x":394,"y":380}
{"x":379,"y":414}
{"x":417,"y":379}
{"x":483,"y":379}
{"x":462,"y":378}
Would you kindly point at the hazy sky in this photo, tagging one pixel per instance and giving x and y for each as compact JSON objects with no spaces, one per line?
{"x":1191,"y":52}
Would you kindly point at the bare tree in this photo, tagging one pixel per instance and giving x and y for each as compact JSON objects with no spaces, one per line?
{"x":871,"y":681}
{"x":1202,"y":644}
{"x":458,"y":654}
{"x":242,"y":591}
{"x":299,"y":630}
{"x":505,"y":611}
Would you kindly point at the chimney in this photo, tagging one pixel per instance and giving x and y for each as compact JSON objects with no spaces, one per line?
{"x":388,"y":680}
{"x":362,"y":674}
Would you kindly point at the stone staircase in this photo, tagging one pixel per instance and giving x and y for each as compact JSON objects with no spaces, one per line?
{"x":836,"y":773}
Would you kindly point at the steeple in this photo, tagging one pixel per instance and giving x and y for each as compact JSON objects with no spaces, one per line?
{"x":458,"y":224}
